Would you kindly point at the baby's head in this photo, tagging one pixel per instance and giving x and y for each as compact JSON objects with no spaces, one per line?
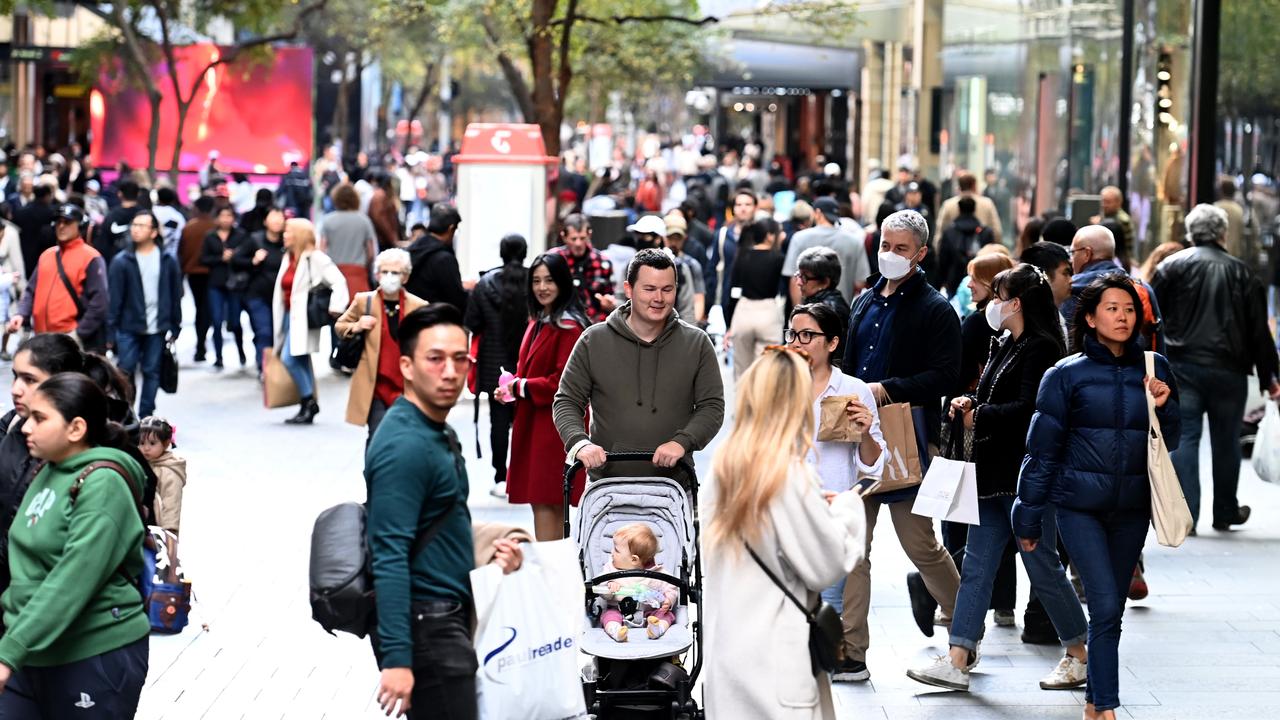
{"x":634,"y":547}
{"x":155,"y":437}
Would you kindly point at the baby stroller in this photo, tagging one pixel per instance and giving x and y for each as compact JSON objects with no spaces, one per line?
{"x":642,"y":678}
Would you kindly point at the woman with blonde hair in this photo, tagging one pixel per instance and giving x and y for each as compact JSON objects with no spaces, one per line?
{"x":305,"y":269}
{"x":769,"y":516}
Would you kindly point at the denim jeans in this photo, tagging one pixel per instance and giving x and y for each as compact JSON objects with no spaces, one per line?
{"x":982,"y":560}
{"x":134,"y":352}
{"x":224,"y":307}
{"x":299,"y":366}
{"x":1222,"y":395}
{"x":260,"y":321}
{"x":1105,"y":549}
{"x":1004,"y":594}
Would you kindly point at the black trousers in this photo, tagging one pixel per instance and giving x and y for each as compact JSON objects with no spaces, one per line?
{"x":500,"y":418}
{"x":444,"y":662}
{"x":1004,"y":594}
{"x":106,"y":687}
{"x":200,"y":293}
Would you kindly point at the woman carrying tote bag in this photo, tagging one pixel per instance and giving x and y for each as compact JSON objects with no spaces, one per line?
{"x":1087,"y":455}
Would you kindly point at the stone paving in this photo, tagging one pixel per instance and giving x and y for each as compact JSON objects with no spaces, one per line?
{"x":1205,"y":644}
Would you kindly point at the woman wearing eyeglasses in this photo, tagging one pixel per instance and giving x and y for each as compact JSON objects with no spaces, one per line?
{"x":815,"y":331}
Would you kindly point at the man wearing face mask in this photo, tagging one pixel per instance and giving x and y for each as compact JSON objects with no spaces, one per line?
{"x":377,"y":381}
{"x":904,"y":341}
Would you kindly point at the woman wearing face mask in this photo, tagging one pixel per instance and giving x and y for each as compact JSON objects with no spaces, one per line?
{"x":377,"y":381}
{"x":1087,"y":454}
{"x":75,"y":625}
{"x":999,"y":413}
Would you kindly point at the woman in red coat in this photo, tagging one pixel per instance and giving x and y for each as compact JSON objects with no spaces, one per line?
{"x":536,"y":471}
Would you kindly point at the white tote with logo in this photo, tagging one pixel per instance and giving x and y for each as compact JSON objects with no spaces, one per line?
{"x":528,"y":626}
{"x":1169,"y":512}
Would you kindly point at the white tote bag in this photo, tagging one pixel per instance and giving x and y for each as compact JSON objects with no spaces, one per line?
{"x":1266,"y":448}
{"x":949,"y":492}
{"x":528,"y":627}
{"x":1169,"y":512}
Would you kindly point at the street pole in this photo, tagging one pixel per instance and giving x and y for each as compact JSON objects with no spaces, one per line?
{"x":446,"y":101}
{"x":1123,"y":134}
{"x":1203,"y":133}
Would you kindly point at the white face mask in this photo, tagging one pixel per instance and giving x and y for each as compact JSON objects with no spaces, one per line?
{"x":390,"y":283}
{"x":996,"y":315}
{"x":894,"y":266}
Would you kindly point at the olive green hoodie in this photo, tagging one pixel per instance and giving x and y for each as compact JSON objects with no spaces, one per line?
{"x":73,"y":594}
{"x":641,"y":394}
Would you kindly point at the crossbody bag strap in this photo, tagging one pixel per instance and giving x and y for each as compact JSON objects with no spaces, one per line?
{"x":430,"y":533}
{"x":119,"y":469}
{"x":809,"y":615}
{"x":66,"y":282}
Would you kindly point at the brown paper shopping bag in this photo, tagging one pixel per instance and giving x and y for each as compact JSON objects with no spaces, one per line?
{"x":278,"y":388}
{"x":902,"y":468}
{"x":834,"y":424}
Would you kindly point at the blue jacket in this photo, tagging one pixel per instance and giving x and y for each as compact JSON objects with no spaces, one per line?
{"x":127,"y":311}
{"x":1087,"y":446}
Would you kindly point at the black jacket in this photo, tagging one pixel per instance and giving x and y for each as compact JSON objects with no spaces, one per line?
{"x":262,"y":277}
{"x":211,"y":256}
{"x":112,"y":236}
{"x":435,"y":276}
{"x":17,"y":467}
{"x":832,"y":298}
{"x":958,"y":245}
{"x":296,"y":192}
{"x":35,"y":232}
{"x":976,"y":336}
{"x":1215,"y":312}
{"x":499,"y":345}
{"x":1006,"y":400}
{"x":127,"y":309}
{"x":924,"y":360}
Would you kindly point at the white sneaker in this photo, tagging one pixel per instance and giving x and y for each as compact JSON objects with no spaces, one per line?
{"x":942,"y":674}
{"x":499,"y":490}
{"x":1070,"y":673}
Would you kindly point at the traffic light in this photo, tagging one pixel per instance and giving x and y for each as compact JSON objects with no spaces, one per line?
{"x":1164,"y":88}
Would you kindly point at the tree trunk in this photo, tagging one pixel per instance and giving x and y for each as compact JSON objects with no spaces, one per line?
{"x":546,"y":107}
{"x":154,"y":98}
{"x":428,"y":79}
{"x":175,"y":163}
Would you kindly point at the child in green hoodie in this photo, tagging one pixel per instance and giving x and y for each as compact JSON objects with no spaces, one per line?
{"x":77,"y":631}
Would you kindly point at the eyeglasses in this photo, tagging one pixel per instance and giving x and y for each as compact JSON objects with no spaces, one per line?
{"x":804,"y":278}
{"x":785,"y":349}
{"x":461,"y":363}
{"x":804,"y":336}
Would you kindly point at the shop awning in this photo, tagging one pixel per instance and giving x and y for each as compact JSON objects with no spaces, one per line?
{"x":763,"y":67}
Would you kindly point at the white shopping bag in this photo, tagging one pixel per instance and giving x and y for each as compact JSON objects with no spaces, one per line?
{"x":528,"y":626}
{"x":1266,"y":448}
{"x":949,"y":492}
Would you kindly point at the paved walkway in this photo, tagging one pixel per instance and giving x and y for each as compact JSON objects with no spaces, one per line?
{"x":1205,"y":644}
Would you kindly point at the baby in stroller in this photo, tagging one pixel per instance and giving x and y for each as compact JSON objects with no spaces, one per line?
{"x":634,"y":548}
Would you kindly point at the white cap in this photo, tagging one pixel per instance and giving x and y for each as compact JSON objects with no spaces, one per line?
{"x":831,"y":170}
{"x":649,"y":225}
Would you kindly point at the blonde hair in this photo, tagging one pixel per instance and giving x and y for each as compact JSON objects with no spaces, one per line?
{"x":773,"y":430}
{"x":640,"y":541}
{"x":984,"y":268}
{"x":304,"y":235}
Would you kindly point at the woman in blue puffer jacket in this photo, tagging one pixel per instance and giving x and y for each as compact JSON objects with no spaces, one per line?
{"x":1087,"y":456}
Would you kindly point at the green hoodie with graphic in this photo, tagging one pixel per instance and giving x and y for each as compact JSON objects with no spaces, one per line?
{"x":70,"y":598}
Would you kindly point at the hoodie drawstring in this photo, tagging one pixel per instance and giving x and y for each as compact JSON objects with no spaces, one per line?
{"x":653,"y":389}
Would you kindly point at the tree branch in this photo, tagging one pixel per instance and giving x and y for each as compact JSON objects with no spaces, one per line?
{"x":624,"y":19}
{"x":565,"y":74}
{"x":510,"y":71}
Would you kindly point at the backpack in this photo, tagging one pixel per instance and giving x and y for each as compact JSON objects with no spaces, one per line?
{"x":1152,"y":326}
{"x":341,"y":572}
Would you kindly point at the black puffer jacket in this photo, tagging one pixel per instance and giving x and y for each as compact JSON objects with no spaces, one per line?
{"x":499,"y":345}
{"x":1215,"y":312}
{"x":16,"y":470}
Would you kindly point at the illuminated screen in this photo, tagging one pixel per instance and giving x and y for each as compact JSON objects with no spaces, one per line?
{"x":256,"y":114}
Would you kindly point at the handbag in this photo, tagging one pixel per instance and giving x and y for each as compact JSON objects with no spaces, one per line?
{"x":1266,"y":448}
{"x":350,"y":349}
{"x":278,"y":388}
{"x":1169,"y":512}
{"x":907,"y":458}
{"x":168,"y":369}
{"x":317,"y":302}
{"x":955,"y":441}
{"x":825,"y":628}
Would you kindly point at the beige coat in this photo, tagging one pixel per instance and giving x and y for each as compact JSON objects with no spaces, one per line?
{"x":11,"y":258}
{"x":171,"y":479}
{"x":757,"y":641}
{"x":365,"y":377}
{"x":315,"y":269}
{"x":984,"y":210}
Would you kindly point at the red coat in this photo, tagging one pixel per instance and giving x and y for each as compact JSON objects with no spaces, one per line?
{"x":535,"y":471}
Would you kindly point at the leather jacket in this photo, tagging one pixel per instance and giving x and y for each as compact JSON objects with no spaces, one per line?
{"x":1215,"y":312}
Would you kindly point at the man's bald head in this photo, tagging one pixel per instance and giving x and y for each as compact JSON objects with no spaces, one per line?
{"x":1112,"y":199}
{"x":1092,"y":242}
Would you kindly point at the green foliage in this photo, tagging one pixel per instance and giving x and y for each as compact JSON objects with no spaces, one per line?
{"x":1249,"y":79}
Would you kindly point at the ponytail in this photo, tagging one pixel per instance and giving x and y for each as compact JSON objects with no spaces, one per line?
{"x":511,"y":282}
{"x":76,"y":396}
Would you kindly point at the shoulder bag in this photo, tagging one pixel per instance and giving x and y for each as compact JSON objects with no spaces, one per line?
{"x":825,"y":628}
{"x":350,"y":349}
{"x":318,"y":297}
{"x":98,"y":338}
{"x":1169,"y":512}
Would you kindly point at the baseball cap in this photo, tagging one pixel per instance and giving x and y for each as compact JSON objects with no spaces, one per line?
{"x":913,"y":187}
{"x":67,"y":211}
{"x":649,"y":225}
{"x":93,"y":185}
{"x":676,"y":224}
{"x":829,"y":208}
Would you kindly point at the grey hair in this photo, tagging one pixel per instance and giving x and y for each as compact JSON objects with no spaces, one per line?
{"x":822,"y":263}
{"x":909,"y":221}
{"x":1206,"y":223}
{"x":399,"y":255}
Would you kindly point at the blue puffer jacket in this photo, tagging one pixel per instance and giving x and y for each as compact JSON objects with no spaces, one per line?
{"x":1087,"y":446}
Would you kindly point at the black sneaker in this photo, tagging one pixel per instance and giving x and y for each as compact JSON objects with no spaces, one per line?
{"x":922,"y":603}
{"x":1242,"y":517}
{"x":1036,"y":634}
{"x":851,"y":671}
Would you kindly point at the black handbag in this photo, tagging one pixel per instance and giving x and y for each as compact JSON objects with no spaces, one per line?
{"x":168,"y":369}
{"x":318,"y":303}
{"x":350,"y":349}
{"x":825,"y":627}
{"x":955,"y":441}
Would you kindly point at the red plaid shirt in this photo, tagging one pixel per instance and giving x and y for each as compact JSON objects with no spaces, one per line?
{"x":592,"y":275}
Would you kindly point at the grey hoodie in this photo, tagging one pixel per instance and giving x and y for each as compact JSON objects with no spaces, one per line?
{"x":641,"y":394}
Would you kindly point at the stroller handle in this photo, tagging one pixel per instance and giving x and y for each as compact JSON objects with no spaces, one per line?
{"x":683,"y":464}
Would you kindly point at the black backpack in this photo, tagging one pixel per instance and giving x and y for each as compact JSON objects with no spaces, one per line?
{"x":341,"y":568}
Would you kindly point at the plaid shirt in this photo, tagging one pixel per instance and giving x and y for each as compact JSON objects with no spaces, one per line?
{"x":592,"y":275}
